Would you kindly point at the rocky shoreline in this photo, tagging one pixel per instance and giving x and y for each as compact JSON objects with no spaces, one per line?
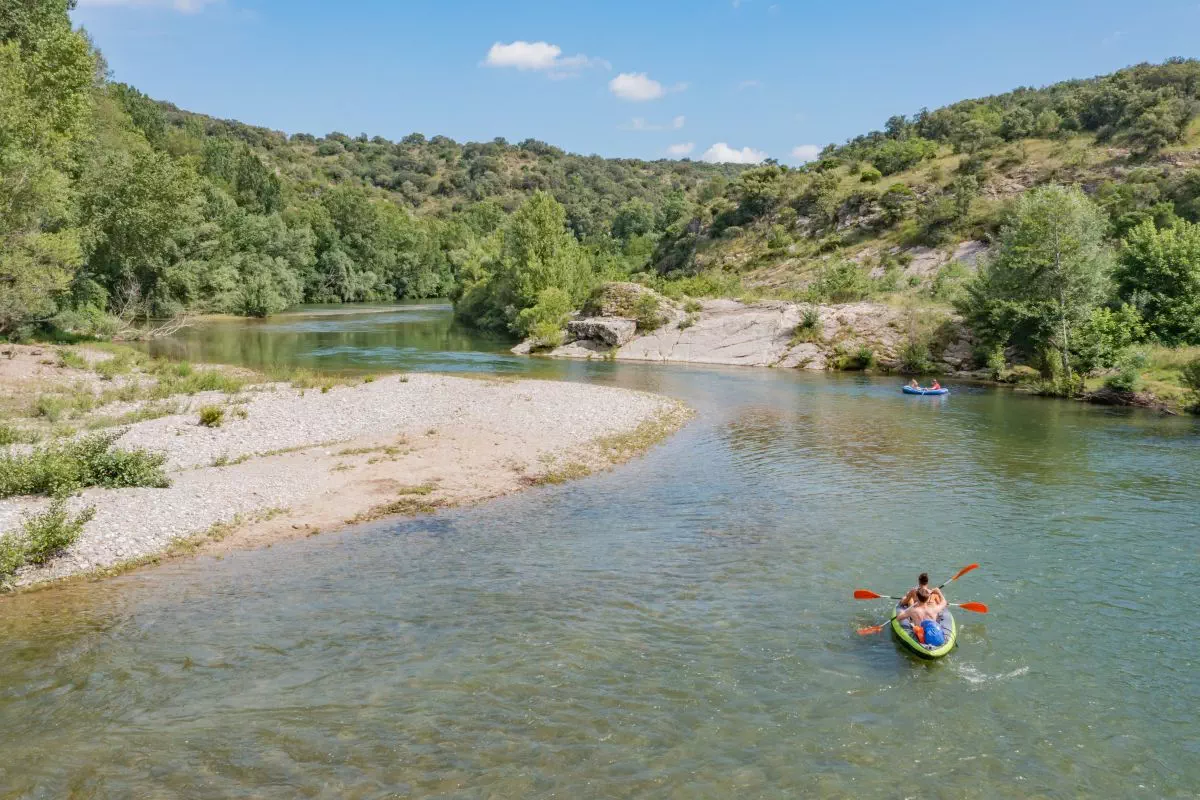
{"x":289,"y":462}
{"x":763,"y":334}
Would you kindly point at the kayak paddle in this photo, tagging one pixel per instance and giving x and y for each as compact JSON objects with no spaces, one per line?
{"x":979,"y":608}
{"x":867,"y":594}
{"x":961,"y":572}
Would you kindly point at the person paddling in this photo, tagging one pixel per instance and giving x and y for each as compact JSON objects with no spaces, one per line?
{"x":922,"y":583}
{"x":923,"y":615}
{"x":936,"y":386}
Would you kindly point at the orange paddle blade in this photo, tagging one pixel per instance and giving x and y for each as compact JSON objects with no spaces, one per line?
{"x":976,"y":607}
{"x":866,"y":594}
{"x":870,"y":630}
{"x":963,"y":571}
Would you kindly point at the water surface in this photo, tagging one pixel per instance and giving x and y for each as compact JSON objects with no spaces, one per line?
{"x":679,"y":627}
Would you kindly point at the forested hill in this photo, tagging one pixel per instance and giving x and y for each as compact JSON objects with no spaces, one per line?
{"x":437,"y":175}
{"x":122,"y":205}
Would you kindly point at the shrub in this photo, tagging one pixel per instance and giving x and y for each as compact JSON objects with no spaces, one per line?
{"x":870,"y":175}
{"x":42,"y":536}
{"x":693,"y":306}
{"x":61,"y":468}
{"x":1189,"y":376}
{"x":995,"y":362}
{"x":54,"y":530}
{"x":915,"y":358}
{"x":13,"y":435}
{"x":545,"y":319}
{"x":647,"y":313}
{"x":112,"y":367}
{"x":841,"y":282}
{"x":808,"y":329}
{"x":71,"y":360}
{"x":212,"y":416}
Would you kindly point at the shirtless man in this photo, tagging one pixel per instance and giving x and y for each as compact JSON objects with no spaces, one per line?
{"x":924,"y":614}
{"x":922,"y":580}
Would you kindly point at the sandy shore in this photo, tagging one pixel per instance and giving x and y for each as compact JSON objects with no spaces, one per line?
{"x":288,"y":462}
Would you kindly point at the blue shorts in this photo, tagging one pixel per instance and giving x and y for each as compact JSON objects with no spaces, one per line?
{"x":933,"y":633}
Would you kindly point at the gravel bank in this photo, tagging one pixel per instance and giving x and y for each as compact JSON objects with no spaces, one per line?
{"x":316,"y":459}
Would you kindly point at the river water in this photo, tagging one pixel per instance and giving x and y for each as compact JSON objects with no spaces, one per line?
{"x":679,"y":627}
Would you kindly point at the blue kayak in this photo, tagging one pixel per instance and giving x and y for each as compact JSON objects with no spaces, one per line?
{"x":910,"y":390}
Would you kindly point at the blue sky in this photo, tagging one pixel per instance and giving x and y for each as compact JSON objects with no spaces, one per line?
{"x":716,"y":79}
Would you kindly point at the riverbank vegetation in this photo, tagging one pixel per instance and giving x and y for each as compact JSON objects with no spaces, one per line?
{"x":127,"y":212}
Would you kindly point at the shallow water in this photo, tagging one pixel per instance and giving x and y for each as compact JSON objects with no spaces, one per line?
{"x":678,"y":627}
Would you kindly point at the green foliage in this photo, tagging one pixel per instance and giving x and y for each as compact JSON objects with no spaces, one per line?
{"x":840,"y":282}
{"x":915,"y":358}
{"x":545,"y":319}
{"x":90,"y":461}
{"x":1105,"y":335}
{"x":1048,"y":274}
{"x":809,"y":328}
{"x":870,"y":175}
{"x":1127,"y":377}
{"x":41,"y":537}
{"x":995,"y":362}
{"x":212,"y":416}
{"x":647,"y":313}
{"x":1189,"y":376}
{"x":1159,"y":272}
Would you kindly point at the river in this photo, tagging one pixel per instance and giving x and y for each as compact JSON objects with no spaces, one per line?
{"x":679,"y":627}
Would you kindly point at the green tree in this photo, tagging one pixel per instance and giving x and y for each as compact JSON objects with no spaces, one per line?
{"x":1049,"y":272}
{"x":1158,"y":271}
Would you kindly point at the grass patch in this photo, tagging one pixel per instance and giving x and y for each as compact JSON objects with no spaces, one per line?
{"x":212,"y":416}
{"x":401,"y":507}
{"x":69,"y":359}
{"x":10,"y":434}
{"x":91,"y":461}
{"x":567,"y":472}
{"x":809,"y":328}
{"x":110,"y":368}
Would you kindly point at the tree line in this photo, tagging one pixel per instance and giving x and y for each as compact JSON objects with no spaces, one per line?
{"x":119,"y":207}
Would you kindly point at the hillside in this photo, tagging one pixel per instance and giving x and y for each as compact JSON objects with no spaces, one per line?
{"x":915,"y":204}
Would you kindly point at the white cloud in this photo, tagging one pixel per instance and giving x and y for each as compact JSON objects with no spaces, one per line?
{"x":537,"y":56}
{"x":183,"y":6}
{"x":806,"y":152}
{"x":748,"y":85}
{"x":680,"y":150}
{"x":640,"y":124}
{"x":722,"y":153}
{"x":637,"y":87}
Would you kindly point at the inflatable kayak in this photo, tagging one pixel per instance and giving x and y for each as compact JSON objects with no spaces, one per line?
{"x":903,"y":631}
{"x":911,"y":390}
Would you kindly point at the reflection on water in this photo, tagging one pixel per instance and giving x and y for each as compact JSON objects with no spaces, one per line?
{"x":676,"y":628}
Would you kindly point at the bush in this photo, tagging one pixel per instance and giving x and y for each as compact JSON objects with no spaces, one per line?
{"x":1189,"y":376}
{"x":647,"y":313}
{"x":808,"y":329}
{"x":212,"y":416}
{"x":112,"y":367}
{"x":54,"y":530}
{"x":42,"y":536}
{"x":915,"y":358}
{"x":90,"y":461}
{"x":841,"y":282}
{"x":995,"y":362}
{"x":693,"y":306}
{"x":545,"y":319}
{"x":871,"y":175}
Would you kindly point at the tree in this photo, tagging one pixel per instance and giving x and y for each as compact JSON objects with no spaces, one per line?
{"x":1159,"y":273}
{"x":538,"y":253}
{"x":1049,"y":272}
{"x":635,"y":217}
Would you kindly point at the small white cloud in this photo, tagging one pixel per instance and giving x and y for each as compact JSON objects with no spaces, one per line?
{"x":641,"y":124}
{"x":722,"y":153}
{"x":538,"y":56}
{"x":182,"y":6}
{"x":748,"y":85}
{"x":680,"y":150}
{"x":636,"y":86}
{"x":806,"y":152}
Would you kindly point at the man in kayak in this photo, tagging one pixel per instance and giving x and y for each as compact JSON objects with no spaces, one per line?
{"x":924,"y":617}
{"x":913,"y":384}
{"x":922,"y":582}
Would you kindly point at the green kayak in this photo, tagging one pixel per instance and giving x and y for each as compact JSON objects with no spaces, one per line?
{"x":903,"y":631}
